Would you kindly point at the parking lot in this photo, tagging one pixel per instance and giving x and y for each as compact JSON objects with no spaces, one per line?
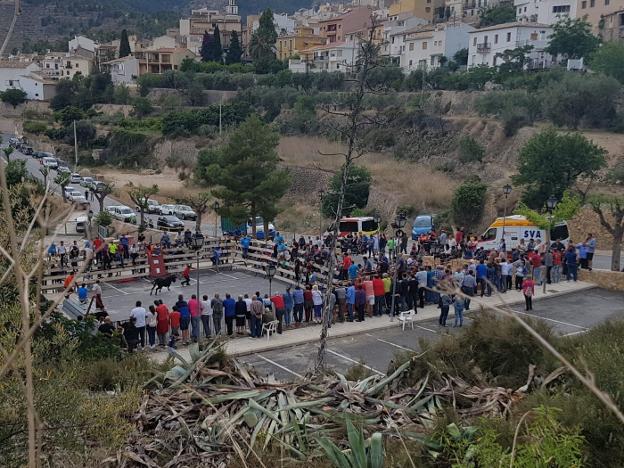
{"x":119,"y":298}
{"x":568,"y":315}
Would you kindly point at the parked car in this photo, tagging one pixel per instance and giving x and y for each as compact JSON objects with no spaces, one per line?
{"x":167,"y":209}
{"x":75,"y":178}
{"x":63,"y":169}
{"x":153,"y":207}
{"x":185,"y":212}
{"x":27,"y":150}
{"x":78,"y":199}
{"x":14,"y":142}
{"x":49,"y":162}
{"x":122,"y":213}
{"x":86,"y":182}
{"x":169,"y":222}
{"x":68,"y":190}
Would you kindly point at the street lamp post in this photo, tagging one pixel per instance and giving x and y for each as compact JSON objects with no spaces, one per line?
{"x":551,"y":203}
{"x":215,"y":207}
{"x":270,"y":272}
{"x":398,"y":225}
{"x":506,"y":192}
{"x":198,"y":243}
{"x":321,"y":194}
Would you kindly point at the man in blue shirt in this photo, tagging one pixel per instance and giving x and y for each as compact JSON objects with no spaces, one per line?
{"x":83,"y":293}
{"x":350,"y":299}
{"x":481,"y":276}
{"x":353,"y":271}
{"x":298,"y":305}
{"x":582,"y":254}
{"x":590,"y":242}
{"x":245,"y":243}
{"x":229,"y":308}
{"x":288,"y":306}
{"x":570,"y":261}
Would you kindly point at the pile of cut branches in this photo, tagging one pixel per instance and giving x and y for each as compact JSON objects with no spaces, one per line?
{"x":213,"y":410}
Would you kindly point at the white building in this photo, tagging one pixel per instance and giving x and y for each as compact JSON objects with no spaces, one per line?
{"x":58,"y":65}
{"x":123,"y":70}
{"x":486,"y":44}
{"x":394,"y":33}
{"x":545,"y":11}
{"x":426,"y":45}
{"x":283,"y":24}
{"x":24,"y":76}
{"x":337,"y":56}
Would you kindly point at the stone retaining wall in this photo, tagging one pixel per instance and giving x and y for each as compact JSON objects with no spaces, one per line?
{"x":612,"y":280}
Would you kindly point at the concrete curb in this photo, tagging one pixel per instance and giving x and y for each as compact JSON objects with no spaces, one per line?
{"x":266,"y":346}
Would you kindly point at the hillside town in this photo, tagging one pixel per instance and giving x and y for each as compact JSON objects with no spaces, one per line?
{"x":413,"y":34}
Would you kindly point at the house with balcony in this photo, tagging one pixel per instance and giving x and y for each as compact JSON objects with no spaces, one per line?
{"x":303,"y":38}
{"x":394,"y":30}
{"x":487,"y":44}
{"x":545,"y":11}
{"x":335,"y":29}
{"x":124,"y":70}
{"x":330,"y":58}
{"x":161,"y":60}
{"x":63,"y":65}
{"x":613,"y":27}
{"x":429,"y":46}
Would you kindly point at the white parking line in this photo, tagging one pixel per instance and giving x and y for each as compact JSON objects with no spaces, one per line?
{"x":280,"y":366}
{"x":390,"y":343}
{"x":117,"y":289}
{"x":576,"y":333}
{"x":354,"y":361}
{"x":552,"y":320}
{"x":425,"y":328}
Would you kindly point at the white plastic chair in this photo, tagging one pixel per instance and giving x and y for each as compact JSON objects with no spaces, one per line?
{"x":269,"y":328}
{"x":407,"y":317}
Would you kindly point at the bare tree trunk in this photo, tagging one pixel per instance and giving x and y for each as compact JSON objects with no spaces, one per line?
{"x":352,"y":135}
{"x":198,"y":221}
{"x":616,"y":249}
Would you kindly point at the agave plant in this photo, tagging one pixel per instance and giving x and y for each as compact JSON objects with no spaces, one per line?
{"x":362,"y":454}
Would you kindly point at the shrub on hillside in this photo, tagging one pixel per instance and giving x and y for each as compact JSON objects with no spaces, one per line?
{"x":35,"y":127}
{"x":129,"y":149}
{"x":581,"y":99}
{"x":470,"y":150}
{"x":468,"y":202}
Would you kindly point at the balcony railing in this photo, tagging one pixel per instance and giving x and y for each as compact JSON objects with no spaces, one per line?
{"x":484,"y":47}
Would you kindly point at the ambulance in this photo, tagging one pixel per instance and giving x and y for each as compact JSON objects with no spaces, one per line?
{"x":517,"y":227}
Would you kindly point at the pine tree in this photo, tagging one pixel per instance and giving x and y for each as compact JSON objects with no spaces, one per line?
{"x":234,"y":52}
{"x":262,"y":45}
{"x":124,"y":44}
{"x":217,"y":50}
{"x":206,"y":47}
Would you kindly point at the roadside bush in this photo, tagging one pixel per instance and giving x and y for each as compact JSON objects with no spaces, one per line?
{"x":513,"y":120}
{"x":190,"y":65}
{"x":188,"y":122}
{"x":35,"y":127}
{"x":518,"y":102}
{"x":225,"y":81}
{"x":129,"y":149}
{"x":470,"y":150}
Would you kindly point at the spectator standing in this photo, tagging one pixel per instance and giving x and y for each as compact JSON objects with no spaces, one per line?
{"x":528,"y":290}
{"x":194,"y":306}
{"x":350,"y":300}
{"x":288,"y":306}
{"x":150,"y":324}
{"x":556,"y":268}
{"x":445,"y":304}
{"x":257,"y":309}
{"x":279,"y":306}
{"x":308,"y":303}
{"x":206,"y":315}
{"x":229,"y":308}
{"x":317,"y":301}
{"x":186,"y":275}
{"x":360,"y":303}
{"x":571,"y":263}
{"x":174,"y":321}
{"x":591,"y":248}
{"x":458,"y":305}
{"x":298,"y":298}
{"x":162,"y":325}
{"x":185,"y":318}
{"x":139,"y":315}
{"x":217,"y":313}
{"x":131,"y":334}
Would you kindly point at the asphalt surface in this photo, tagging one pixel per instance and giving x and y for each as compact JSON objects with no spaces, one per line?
{"x":568,"y":315}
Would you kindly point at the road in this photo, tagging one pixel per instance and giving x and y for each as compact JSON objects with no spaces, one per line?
{"x":568,"y":315}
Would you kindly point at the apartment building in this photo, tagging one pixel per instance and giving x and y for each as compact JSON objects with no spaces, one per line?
{"x":330,"y":57}
{"x":335,"y":29}
{"x":192,"y":29}
{"x":162,"y":60}
{"x":428,"y":46}
{"x":545,"y":11}
{"x":486,"y":44}
{"x":394,"y":34}
{"x":613,"y":27}
{"x":595,"y":11}
{"x":303,"y":38}
{"x":59,"y":65}
{"x":16,"y":74}
{"x":429,"y":10}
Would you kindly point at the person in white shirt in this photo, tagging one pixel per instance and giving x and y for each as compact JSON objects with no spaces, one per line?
{"x":506,"y":268}
{"x":206,"y":315}
{"x":140,"y":316}
{"x":248,"y":302}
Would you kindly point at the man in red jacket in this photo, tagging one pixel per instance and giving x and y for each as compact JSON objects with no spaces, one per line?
{"x":379,"y":290}
{"x":278,"y":305}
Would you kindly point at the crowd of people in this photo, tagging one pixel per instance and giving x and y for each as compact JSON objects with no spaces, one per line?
{"x":378,"y":277}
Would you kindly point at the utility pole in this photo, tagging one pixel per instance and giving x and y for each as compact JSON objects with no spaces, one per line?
{"x":75,"y":149}
{"x":220,"y":112}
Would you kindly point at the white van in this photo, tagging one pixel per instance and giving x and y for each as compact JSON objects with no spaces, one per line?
{"x":518,"y":227}
{"x":52,"y":163}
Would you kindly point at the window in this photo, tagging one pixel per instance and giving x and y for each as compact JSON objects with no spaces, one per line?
{"x":592,"y":3}
{"x":583,"y":5}
{"x":508,"y":37}
{"x":411,"y":46}
{"x":534,"y":36}
{"x":427,"y":9}
{"x":410,"y":63}
{"x":489,"y":235}
{"x":495,"y":38}
{"x":607,"y":2}
{"x":474,"y":41}
{"x":494,"y":62}
{"x":562,"y":8}
{"x":424,"y":45}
